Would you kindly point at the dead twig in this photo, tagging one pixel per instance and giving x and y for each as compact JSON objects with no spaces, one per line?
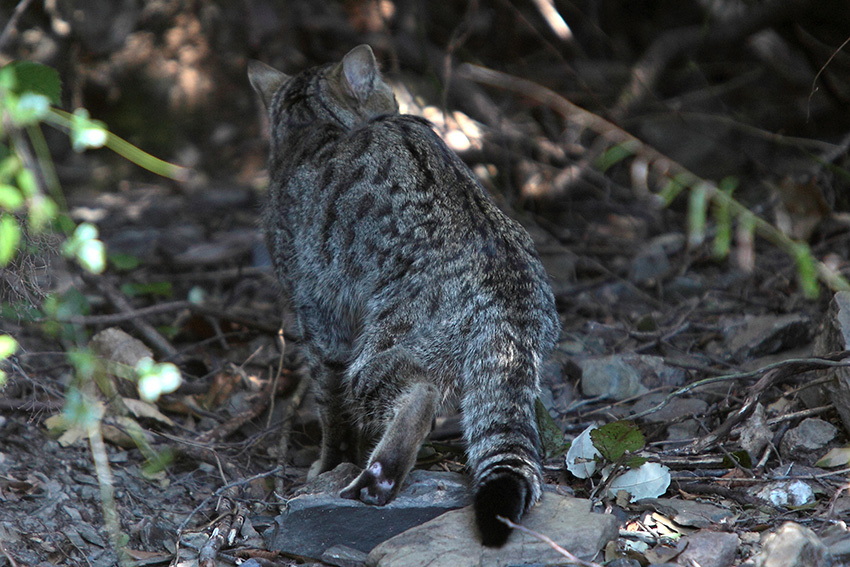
{"x":224,"y":489}
{"x":261,"y":402}
{"x":121,"y":303}
{"x":572,"y":558}
{"x":665,"y":173}
{"x":8,"y":557}
{"x":776,"y":373}
{"x":13,"y":21}
{"x":247,"y":319}
{"x":795,"y":365}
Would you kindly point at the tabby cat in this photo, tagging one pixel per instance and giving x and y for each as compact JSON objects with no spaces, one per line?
{"x":410,"y":289}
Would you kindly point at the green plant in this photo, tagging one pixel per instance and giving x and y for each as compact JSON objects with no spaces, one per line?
{"x":32,"y":203}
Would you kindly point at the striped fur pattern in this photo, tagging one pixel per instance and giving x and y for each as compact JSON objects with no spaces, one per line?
{"x":411,"y":290}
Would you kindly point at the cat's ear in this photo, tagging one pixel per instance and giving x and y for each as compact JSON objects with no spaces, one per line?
{"x":361,"y":73}
{"x":265,"y":80}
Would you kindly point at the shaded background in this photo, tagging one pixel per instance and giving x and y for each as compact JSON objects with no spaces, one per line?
{"x":724,"y":87}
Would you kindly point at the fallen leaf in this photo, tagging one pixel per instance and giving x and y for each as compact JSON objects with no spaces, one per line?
{"x":837,"y":457}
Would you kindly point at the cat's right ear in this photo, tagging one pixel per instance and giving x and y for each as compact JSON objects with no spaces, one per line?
{"x":361,"y":73}
{"x":265,"y":80}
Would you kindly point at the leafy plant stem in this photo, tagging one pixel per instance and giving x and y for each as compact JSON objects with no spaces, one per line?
{"x":45,"y":163}
{"x":673,"y":173}
{"x":125,"y":149}
{"x":107,"y":492}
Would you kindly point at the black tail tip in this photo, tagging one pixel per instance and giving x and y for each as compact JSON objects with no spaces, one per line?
{"x":505,"y":495}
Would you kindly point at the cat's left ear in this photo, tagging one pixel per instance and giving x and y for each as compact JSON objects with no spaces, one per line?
{"x":361,"y":72}
{"x":265,"y":80}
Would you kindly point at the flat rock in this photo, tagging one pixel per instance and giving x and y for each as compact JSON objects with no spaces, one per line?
{"x":622,"y":376}
{"x":672,"y":414}
{"x":792,"y":545}
{"x":318,"y":519}
{"x":653,"y":260}
{"x":708,"y":549}
{"x":768,"y":334}
{"x":836,"y":337}
{"x":807,"y":439}
{"x":451,"y":540}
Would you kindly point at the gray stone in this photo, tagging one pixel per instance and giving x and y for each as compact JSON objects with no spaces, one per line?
{"x":318,"y":519}
{"x":768,"y":334}
{"x":451,"y":540}
{"x":708,"y":549}
{"x":836,"y":537}
{"x":755,"y":435}
{"x":652,"y":260}
{"x":622,"y":376}
{"x":807,"y":439}
{"x":688,"y":512}
{"x":792,"y":545}
{"x":836,"y":337}
{"x":674,"y":410}
{"x":344,"y":556}
{"x":784,"y":493}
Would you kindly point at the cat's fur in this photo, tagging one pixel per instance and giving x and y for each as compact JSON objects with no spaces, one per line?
{"x":410,"y":288}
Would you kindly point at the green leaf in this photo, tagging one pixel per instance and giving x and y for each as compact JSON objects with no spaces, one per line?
{"x":80,"y":410}
{"x":9,"y":168}
{"x":162,"y":289}
{"x":836,"y":457}
{"x":156,"y":379}
{"x":697,"y":210}
{"x":8,"y":346}
{"x":92,"y":256}
{"x":41,"y":211}
{"x":26,"y":182}
{"x":615,"y":155}
{"x":10,"y":198}
{"x":615,"y":439}
{"x":66,"y":305}
{"x":87,"y":133}
{"x":124,"y":262}
{"x":635,"y":462}
{"x":27,"y":109}
{"x":10,"y":237}
{"x":806,"y":270}
{"x":738,"y":458}
{"x":30,"y":77}
{"x":86,"y":249}
{"x":158,"y":462}
{"x":551,"y":436}
{"x":671,"y":190}
{"x":723,"y":218}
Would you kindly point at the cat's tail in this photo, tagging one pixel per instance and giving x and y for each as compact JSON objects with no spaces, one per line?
{"x":500,"y":428}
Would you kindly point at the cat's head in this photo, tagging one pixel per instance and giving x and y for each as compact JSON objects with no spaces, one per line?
{"x":349,"y":92}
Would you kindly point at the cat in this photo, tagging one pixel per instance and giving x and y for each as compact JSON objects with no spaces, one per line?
{"x":410,"y":288}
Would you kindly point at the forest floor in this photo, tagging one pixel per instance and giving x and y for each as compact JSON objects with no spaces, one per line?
{"x":190,"y":281}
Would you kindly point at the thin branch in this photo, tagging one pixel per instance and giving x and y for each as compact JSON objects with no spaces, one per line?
{"x":676,"y":176}
{"x":13,"y":21}
{"x":572,"y":558}
{"x":819,"y":73}
{"x":798,"y":365}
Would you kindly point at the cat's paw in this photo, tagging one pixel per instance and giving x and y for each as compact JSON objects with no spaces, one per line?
{"x":371,"y":487}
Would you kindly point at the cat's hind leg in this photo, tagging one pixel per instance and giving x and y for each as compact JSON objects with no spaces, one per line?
{"x":396,"y":390}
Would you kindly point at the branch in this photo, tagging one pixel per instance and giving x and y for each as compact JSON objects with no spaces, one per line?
{"x":572,"y":558}
{"x":674,"y":175}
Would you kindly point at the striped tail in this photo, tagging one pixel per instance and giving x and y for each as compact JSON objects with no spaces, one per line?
{"x":503,"y":446}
